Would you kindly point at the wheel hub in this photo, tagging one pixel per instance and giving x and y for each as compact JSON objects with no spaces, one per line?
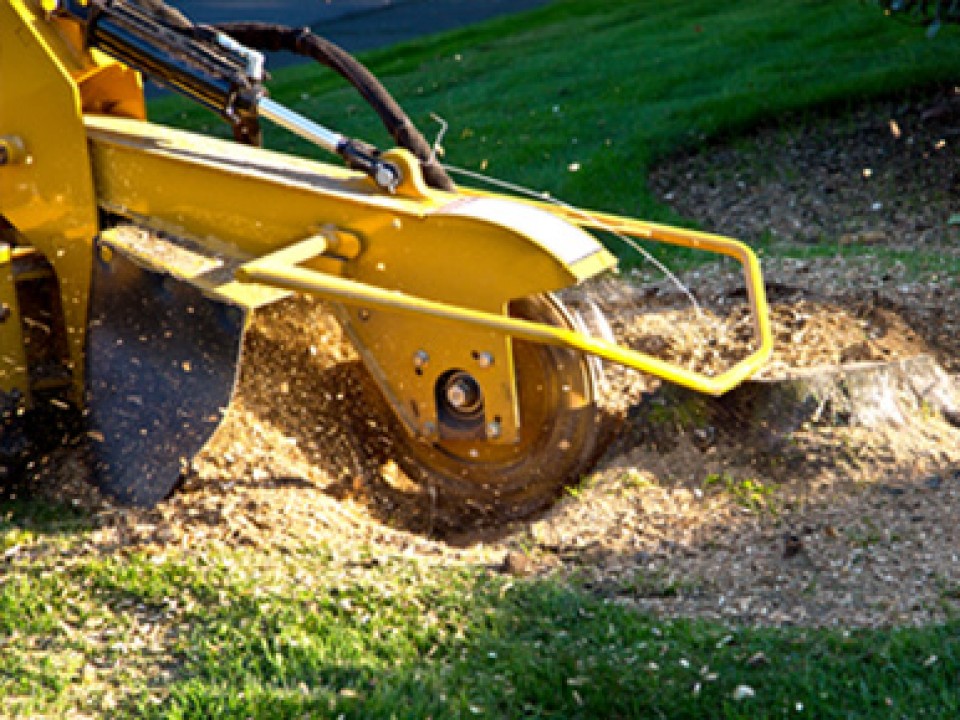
{"x":463,"y":394}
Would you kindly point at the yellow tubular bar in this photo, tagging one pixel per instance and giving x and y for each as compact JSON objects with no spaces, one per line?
{"x":669,"y":235}
{"x":277,"y":271}
{"x":717,"y":244}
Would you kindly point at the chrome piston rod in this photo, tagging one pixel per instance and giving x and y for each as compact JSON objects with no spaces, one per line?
{"x":385,"y":174}
{"x":299,"y":125}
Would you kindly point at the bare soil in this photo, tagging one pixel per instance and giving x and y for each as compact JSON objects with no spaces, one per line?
{"x":854,"y":525}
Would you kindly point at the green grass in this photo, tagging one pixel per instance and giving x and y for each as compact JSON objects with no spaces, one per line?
{"x":613,"y":86}
{"x":917,"y":262}
{"x":749,"y":493}
{"x":312,"y":635}
{"x":616,"y":85}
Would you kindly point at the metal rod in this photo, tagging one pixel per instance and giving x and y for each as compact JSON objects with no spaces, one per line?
{"x":357,"y":293}
{"x":299,"y":125}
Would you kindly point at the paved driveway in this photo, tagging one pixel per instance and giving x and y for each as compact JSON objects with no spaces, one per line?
{"x":358,"y":24}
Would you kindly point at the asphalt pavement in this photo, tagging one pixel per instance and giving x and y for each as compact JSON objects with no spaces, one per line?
{"x":358,"y":24}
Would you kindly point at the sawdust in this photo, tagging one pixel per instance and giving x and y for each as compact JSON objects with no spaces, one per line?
{"x":855,"y":525}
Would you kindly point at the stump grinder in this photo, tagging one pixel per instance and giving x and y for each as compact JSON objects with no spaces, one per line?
{"x":132,"y":257}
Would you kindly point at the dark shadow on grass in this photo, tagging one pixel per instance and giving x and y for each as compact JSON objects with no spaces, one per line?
{"x":482,"y":647}
{"x":18,"y":510}
{"x":40,"y":438}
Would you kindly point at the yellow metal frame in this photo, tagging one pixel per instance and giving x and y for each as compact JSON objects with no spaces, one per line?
{"x":46,"y":188}
{"x":242,"y":203}
{"x":413,"y":249}
{"x":694,"y":240}
{"x":277,"y":271}
{"x":423,"y":279}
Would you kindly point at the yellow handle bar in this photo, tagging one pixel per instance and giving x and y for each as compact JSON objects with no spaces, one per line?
{"x":280,"y":270}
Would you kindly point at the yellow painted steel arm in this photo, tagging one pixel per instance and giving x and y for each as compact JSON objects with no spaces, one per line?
{"x":275,"y":271}
{"x":669,"y":235}
{"x":695,"y":240}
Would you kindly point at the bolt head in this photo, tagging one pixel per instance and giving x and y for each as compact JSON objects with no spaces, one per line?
{"x":463,"y":393}
{"x":457,"y":395}
{"x":387,"y":177}
{"x":485,"y":359}
{"x":420,"y":359}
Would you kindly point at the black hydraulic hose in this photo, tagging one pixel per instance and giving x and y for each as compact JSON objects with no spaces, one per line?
{"x":168,"y":14}
{"x":302,"y":41}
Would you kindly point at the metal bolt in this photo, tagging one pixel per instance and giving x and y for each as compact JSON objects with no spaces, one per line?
{"x":494,"y":430}
{"x":12,"y":150}
{"x":387,"y":177}
{"x":459,"y":395}
{"x":420,"y":359}
{"x":5,"y":312}
{"x":463,"y":393}
{"x":363,"y":314}
{"x":456,"y":396}
{"x":484,"y":359}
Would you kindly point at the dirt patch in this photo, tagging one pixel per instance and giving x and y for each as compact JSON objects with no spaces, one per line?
{"x":836,"y":523}
{"x":853,"y":525}
{"x":884,"y":174}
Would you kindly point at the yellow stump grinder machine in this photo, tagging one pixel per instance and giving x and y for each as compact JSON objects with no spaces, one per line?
{"x":132,"y":256}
